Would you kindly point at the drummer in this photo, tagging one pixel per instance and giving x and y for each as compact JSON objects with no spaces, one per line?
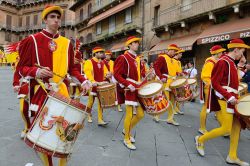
{"x":127,"y":75}
{"x":216,"y":51}
{"x":179,"y":72}
{"x":166,"y":71}
{"x":62,"y":52}
{"x":110,"y":66}
{"x":75,"y":89}
{"x":96,"y":71}
{"x":223,"y":98}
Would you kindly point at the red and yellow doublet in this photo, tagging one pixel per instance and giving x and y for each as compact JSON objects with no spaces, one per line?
{"x":47,"y":50}
{"x":126,"y":73}
{"x":95,"y":71}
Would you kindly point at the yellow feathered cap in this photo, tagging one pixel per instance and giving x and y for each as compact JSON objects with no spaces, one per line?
{"x":49,"y":8}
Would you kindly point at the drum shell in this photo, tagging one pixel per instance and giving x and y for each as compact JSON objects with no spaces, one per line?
{"x":107,"y":95}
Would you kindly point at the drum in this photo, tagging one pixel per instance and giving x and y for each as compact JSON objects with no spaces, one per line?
{"x":151,"y":96}
{"x":192,"y":82}
{"x":107,"y":95}
{"x":243,"y":109}
{"x":241,"y":90}
{"x":56,"y":127}
{"x":181,"y":89}
{"x":245,"y":88}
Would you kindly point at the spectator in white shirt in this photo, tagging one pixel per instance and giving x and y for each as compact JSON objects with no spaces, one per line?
{"x":192,"y":71}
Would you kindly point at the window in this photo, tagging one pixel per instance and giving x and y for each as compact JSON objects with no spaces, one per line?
{"x":27,"y":21}
{"x":81,"y":14}
{"x":111,"y":24}
{"x":128,"y":15}
{"x":8,"y":21}
{"x":99,"y":28}
{"x":98,"y":3}
{"x":35,"y":19}
{"x":81,"y":39}
{"x":63,"y":18}
{"x":20,"y":38}
{"x":20,"y":22}
{"x":156,"y":15}
{"x":186,"y":5}
{"x":89,"y":9}
{"x":8,"y":36}
{"x":89,"y":37}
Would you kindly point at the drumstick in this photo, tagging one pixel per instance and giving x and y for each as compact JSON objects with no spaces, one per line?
{"x":129,"y":89}
{"x":245,"y":101}
{"x":41,"y":67}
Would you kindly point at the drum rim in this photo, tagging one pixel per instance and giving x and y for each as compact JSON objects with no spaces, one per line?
{"x":112,"y":86}
{"x":236,"y":106}
{"x":44,"y":150}
{"x":178,"y":86}
{"x":153,"y":81}
{"x":192,"y":79}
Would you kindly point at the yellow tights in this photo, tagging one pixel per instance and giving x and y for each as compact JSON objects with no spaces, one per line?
{"x":47,"y":160}
{"x":99,"y":109}
{"x":226,"y":124}
{"x":131,"y":120}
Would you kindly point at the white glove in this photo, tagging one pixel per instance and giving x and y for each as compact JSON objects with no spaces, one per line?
{"x":131,"y":88}
{"x":16,"y":88}
{"x":233,"y":100}
{"x":163,"y":79}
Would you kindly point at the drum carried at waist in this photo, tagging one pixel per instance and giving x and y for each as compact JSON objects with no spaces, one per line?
{"x":152,"y":97}
{"x":181,"y":89}
{"x":243,"y":88}
{"x":107,"y":95}
{"x":57,"y":125}
{"x":192,"y":82}
{"x":243,"y":109}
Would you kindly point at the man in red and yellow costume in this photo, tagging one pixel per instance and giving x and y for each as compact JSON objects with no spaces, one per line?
{"x":127,"y":75}
{"x":223,"y":99}
{"x":216,"y":51}
{"x":166,"y":72}
{"x":56,"y":55}
{"x":96,"y":71}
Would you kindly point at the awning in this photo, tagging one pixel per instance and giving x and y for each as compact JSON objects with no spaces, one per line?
{"x":118,"y":46}
{"x":226,"y":31}
{"x":185,"y":43}
{"x":112,"y":11}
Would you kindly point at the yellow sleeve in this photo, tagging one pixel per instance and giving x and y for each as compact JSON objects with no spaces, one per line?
{"x":105,"y":70}
{"x":206,"y":72}
{"x":111,"y":65}
{"x":88,"y":70}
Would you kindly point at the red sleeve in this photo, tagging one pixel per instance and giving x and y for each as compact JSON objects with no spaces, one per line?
{"x":143,"y":70}
{"x":159,"y":66}
{"x":73,"y":70}
{"x":218,"y":73}
{"x":120,"y":69}
{"x":16,"y":78}
{"x":27,"y":55}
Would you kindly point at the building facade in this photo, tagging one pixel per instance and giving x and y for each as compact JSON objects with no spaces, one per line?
{"x":20,"y":18}
{"x":195,"y":25}
{"x":107,"y":23}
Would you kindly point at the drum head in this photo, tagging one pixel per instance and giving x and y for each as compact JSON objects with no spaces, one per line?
{"x":240,"y":88}
{"x":178,"y":82}
{"x":150,"y":88}
{"x":191,"y":81}
{"x":243,"y":84}
{"x":243,"y":106}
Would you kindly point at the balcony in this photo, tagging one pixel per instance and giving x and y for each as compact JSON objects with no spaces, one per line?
{"x":120,"y":29}
{"x":104,"y":5}
{"x":196,"y":8}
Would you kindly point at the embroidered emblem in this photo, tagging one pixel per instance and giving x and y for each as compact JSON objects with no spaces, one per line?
{"x":52,"y":46}
{"x":99,"y":65}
